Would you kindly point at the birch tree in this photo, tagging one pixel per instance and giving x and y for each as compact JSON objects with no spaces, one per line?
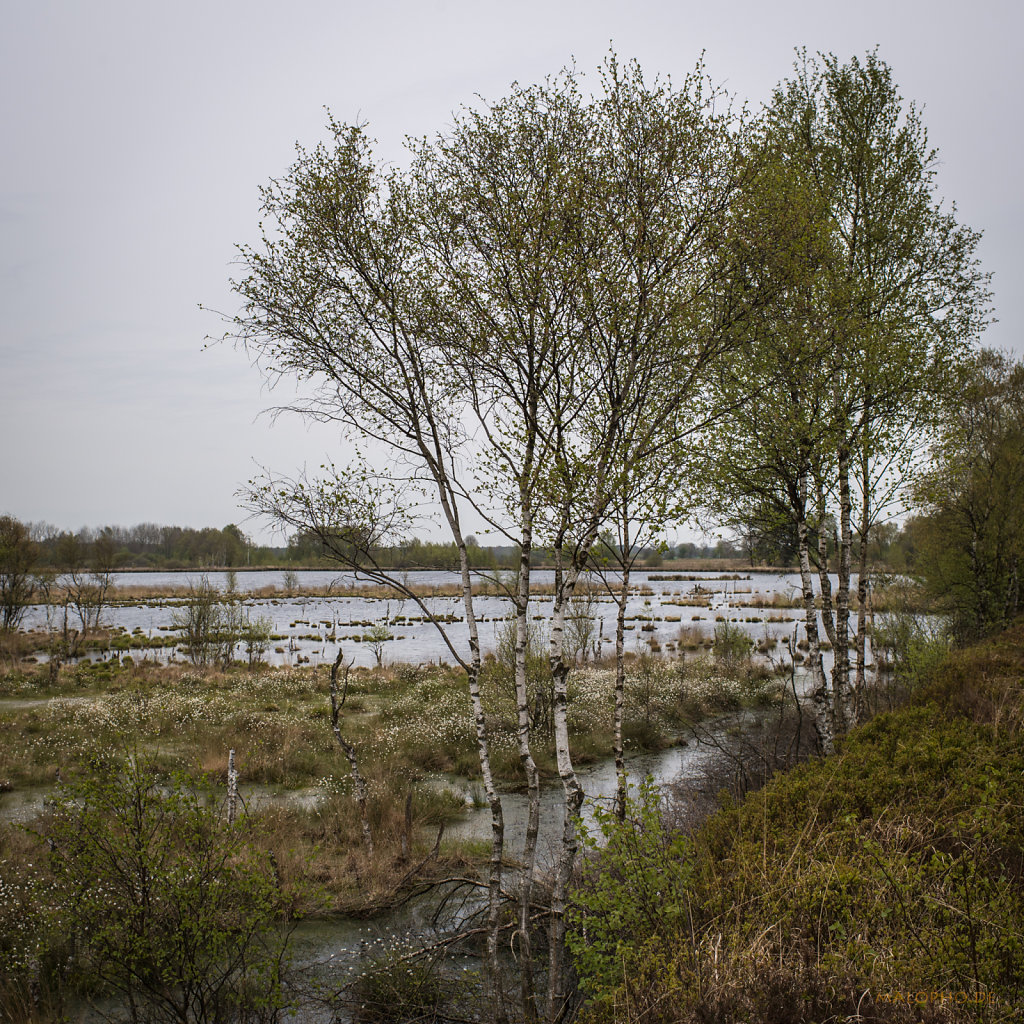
{"x":578,"y":239}
{"x":905,"y":295}
{"x":654,"y":308}
{"x":333,"y":298}
{"x":505,"y":208}
{"x":764,"y":454}
{"x":529,"y":309}
{"x":880,"y":295}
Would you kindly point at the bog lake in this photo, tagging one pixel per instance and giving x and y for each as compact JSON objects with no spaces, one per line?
{"x":309,"y":629}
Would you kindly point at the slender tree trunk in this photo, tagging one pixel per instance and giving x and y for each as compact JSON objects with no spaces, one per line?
{"x":495,"y":989}
{"x":820,"y":696}
{"x":863,"y":590}
{"x":523,"y":732}
{"x":573,"y":799}
{"x":56,"y":660}
{"x":495,"y":986}
{"x":620,"y":676}
{"x":349,"y":751}
{"x":841,"y":665}
{"x":825,"y":581}
{"x":232,"y":788}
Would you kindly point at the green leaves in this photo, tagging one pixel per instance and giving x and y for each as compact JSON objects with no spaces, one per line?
{"x":633,"y":893}
{"x":895,"y":865}
{"x":974,"y":492}
{"x":17,"y":558}
{"x":538,"y":292}
{"x":169,"y":905}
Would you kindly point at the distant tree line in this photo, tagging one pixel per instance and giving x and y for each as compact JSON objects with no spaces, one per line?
{"x":148,"y":545}
{"x":151,"y":546}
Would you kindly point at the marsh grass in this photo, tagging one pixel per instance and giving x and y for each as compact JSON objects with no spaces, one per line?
{"x":406,"y":721}
{"x":164,"y":593}
{"x":408,"y":724}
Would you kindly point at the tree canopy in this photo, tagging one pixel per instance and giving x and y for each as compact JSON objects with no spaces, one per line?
{"x":579,"y":312}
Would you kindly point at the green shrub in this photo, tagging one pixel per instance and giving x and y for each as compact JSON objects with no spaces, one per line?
{"x":401,"y":987}
{"x":165,"y":904}
{"x":632,"y":867}
{"x":894,"y":867}
{"x":732,"y":643}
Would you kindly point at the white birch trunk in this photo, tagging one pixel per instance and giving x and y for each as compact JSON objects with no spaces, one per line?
{"x":495,"y":987}
{"x":523,"y":732}
{"x":620,"y":679}
{"x":863,"y":593}
{"x":827,"y":618}
{"x":573,"y":799}
{"x":841,"y":664}
{"x":820,"y":695}
{"x":232,"y":788}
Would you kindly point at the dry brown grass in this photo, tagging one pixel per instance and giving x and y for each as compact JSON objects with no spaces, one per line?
{"x":690,"y":638}
{"x":15,"y":646}
{"x":324,"y":846}
{"x":138,"y":593}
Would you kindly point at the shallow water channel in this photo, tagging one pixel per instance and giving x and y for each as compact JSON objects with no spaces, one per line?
{"x":337,"y":948}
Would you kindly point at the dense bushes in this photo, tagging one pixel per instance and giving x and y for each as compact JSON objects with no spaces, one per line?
{"x":884,"y":881}
{"x":144,"y":892}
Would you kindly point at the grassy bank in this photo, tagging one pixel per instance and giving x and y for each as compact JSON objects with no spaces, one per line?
{"x":882,"y":884}
{"x":404,"y":720}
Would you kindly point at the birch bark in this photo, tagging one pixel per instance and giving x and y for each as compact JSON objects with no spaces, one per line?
{"x":820,"y":695}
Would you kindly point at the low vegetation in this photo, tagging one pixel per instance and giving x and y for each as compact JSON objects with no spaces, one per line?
{"x":146,"y":894}
{"x":110,"y":739}
{"x":880,"y":884}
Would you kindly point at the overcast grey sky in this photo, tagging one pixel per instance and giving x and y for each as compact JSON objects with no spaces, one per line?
{"x":135,"y":136}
